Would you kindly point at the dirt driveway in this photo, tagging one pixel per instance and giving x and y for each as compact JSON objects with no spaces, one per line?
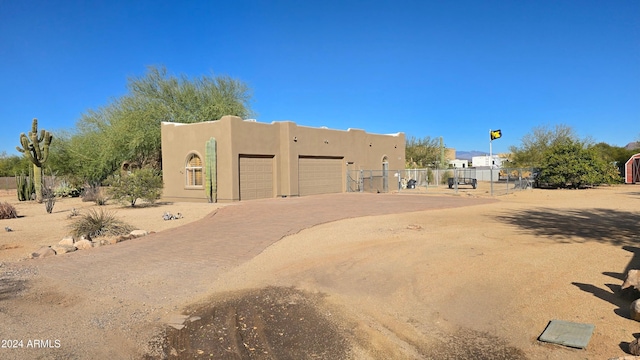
{"x":342,"y":276}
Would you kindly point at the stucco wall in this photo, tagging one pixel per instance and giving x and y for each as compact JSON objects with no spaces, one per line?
{"x":285,"y":141}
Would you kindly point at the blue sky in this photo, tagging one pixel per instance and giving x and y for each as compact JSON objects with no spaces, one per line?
{"x":426,"y":68}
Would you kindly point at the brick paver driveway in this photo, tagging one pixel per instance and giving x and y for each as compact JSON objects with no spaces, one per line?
{"x":174,"y":265}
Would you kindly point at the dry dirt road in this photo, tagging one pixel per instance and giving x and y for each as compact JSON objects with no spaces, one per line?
{"x":477,"y":278}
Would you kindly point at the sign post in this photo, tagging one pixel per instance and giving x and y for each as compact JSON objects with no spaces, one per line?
{"x":493,"y":134}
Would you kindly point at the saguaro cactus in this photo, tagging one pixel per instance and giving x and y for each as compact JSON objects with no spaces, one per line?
{"x":210,"y":159}
{"x":36,"y":149}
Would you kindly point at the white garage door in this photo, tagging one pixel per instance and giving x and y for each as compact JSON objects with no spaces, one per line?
{"x":319,"y":175}
{"x":256,"y":177}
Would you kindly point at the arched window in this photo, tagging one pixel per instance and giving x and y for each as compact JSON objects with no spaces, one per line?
{"x":193,"y":170}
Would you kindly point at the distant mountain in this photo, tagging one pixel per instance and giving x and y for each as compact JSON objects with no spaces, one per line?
{"x":468,"y":155}
{"x":632,"y":146}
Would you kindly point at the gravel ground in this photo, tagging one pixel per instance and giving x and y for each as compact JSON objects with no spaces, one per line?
{"x":468,"y":282}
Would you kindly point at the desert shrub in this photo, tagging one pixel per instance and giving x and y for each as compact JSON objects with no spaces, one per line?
{"x":143,"y":184}
{"x":65,"y":189}
{"x":49,"y":198}
{"x":101,"y":200}
{"x":444,"y":178}
{"x":429,"y":176}
{"x":49,"y":192}
{"x":90,"y":193}
{"x":7,"y":211}
{"x":94,"y":193}
{"x":96,"y":223}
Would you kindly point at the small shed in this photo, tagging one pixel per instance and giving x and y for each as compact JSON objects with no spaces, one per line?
{"x":632,"y":170}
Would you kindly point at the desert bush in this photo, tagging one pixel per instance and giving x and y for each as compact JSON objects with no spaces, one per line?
{"x":143,"y":184}
{"x":444,"y":178}
{"x":49,"y":198}
{"x":101,"y":200}
{"x":65,"y":189}
{"x":90,"y":193}
{"x":7,"y":211}
{"x":94,"y":193}
{"x":429,"y":176}
{"x":96,"y":223}
{"x":48,"y":192}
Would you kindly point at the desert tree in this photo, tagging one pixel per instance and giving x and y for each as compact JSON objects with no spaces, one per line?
{"x":128,"y":127}
{"x":534,"y":144}
{"x":11,"y":165}
{"x":422,"y":152}
{"x":615,"y":155}
{"x":573,"y":163}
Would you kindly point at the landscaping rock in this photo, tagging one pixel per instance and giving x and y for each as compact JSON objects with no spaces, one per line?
{"x":83,"y":244}
{"x":634,"y":310}
{"x":63,"y":249}
{"x":170,"y":216}
{"x":43,"y":252}
{"x":67,"y":240}
{"x":634,"y":347}
{"x":633,"y":280}
{"x":122,"y":238}
{"x":139,"y":233}
{"x":177,"y":321}
{"x":108,"y":241}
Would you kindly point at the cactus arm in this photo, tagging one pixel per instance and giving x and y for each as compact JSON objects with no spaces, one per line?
{"x":34,"y":126}
{"x":45,"y":148}
{"x":27,"y":148}
{"x":24,"y":141}
{"x":36,"y":146}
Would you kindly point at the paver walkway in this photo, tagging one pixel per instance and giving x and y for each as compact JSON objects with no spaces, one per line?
{"x":174,"y":265}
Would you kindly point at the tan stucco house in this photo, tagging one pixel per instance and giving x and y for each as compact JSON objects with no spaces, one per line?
{"x":256,"y":160}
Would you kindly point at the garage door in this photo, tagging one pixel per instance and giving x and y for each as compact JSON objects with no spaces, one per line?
{"x":319,"y":175}
{"x":256,"y":177}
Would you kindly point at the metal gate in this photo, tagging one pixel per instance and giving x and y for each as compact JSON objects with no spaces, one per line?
{"x":376,"y":181}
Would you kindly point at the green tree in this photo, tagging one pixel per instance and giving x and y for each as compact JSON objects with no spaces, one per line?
{"x":184,"y":100}
{"x":616,"y":155}
{"x":573,"y":163}
{"x":81,"y":158}
{"x":128,"y":128}
{"x":531,"y":152}
{"x":11,"y":165}
{"x":143,"y":184}
{"x":420,"y":153}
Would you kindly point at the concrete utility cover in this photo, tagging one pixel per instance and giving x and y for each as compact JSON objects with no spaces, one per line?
{"x":567,"y":333}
